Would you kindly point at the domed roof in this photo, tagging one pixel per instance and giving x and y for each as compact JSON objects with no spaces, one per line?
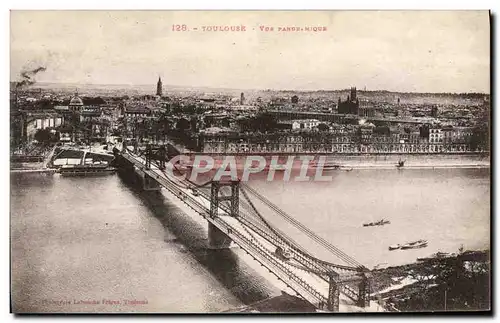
{"x":76,"y":101}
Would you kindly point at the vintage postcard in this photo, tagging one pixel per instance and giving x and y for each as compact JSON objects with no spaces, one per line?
{"x":250,"y":161}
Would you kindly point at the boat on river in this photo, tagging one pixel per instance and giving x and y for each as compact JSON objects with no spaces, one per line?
{"x":394,"y":247}
{"x":378,"y":223}
{"x":410,"y":245}
{"x":415,"y":245}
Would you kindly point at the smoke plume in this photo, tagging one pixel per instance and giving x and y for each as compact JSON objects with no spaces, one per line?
{"x":27,"y":77}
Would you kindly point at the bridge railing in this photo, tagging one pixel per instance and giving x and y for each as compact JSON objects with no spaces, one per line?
{"x":265,"y":253}
{"x":263,"y":247}
{"x":347,"y":290}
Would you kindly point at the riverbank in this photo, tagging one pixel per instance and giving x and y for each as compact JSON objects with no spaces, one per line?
{"x":15,"y":166}
{"x":439,"y":282}
{"x":347,"y":161}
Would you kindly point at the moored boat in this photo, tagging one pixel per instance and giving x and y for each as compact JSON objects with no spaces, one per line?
{"x":86,"y":170}
{"x":415,"y":245}
{"x":394,"y":247}
{"x":410,"y":245}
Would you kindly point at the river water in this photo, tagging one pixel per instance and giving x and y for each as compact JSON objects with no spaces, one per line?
{"x":99,"y":245}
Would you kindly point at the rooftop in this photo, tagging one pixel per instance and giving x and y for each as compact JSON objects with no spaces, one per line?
{"x":76,"y":101}
{"x":298,"y":120}
{"x":137,"y":110}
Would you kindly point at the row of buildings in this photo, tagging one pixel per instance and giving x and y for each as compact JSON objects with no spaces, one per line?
{"x":361,"y":140}
{"x":75,"y":120}
{"x":223,"y":123}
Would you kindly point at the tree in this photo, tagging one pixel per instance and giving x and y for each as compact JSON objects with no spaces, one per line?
{"x":93,"y":101}
{"x":323,"y":127}
{"x":462,"y":282}
{"x":43,"y":136}
{"x":262,"y":123}
{"x":183,"y":124}
{"x":382,"y":130}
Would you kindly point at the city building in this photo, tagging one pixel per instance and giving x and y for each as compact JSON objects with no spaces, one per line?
{"x":345,"y":140}
{"x":136,"y":112}
{"x":305,"y":124}
{"x":75,"y":103}
{"x":435,"y":135}
{"x":366,"y":110}
{"x":349,"y":106}
{"x":90,"y":113}
{"x":38,"y":121}
{"x":434,"y":112}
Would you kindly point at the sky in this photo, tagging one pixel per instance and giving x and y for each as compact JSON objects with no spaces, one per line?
{"x":405,"y":51}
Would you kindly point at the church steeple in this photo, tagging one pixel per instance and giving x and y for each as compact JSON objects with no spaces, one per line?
{"x":159,"y":87}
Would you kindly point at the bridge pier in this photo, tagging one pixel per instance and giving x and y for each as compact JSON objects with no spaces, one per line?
{"x":216,"y":238}
{"x":124,"y":166}
{"x":149,"y":183}
{"x":134,"y":175}
{"x":333,"y":295}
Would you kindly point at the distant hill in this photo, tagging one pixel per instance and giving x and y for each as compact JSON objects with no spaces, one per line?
{"x":141,"y":88}
{"x":378,"y":96}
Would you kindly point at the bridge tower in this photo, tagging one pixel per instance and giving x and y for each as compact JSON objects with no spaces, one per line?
{"x":216,"y":238}
{"x":148,"y":156}
{"x":216,"y":198}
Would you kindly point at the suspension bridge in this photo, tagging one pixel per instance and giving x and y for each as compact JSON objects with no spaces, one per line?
{"x":238,"y":213}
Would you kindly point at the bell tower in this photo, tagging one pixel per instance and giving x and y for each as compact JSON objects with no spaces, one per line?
{"x":353,"y":94}
{"x":159,"y":87}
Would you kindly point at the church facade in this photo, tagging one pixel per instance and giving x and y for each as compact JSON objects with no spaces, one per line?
{"x":349,"y":106}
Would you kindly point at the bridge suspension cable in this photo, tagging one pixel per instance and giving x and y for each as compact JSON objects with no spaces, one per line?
{"x":193,"y":183}
{"x":322,"y":267}
{"x":304,"y":229}
{"x":268,"y":225}
{"x":339,"y":253}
